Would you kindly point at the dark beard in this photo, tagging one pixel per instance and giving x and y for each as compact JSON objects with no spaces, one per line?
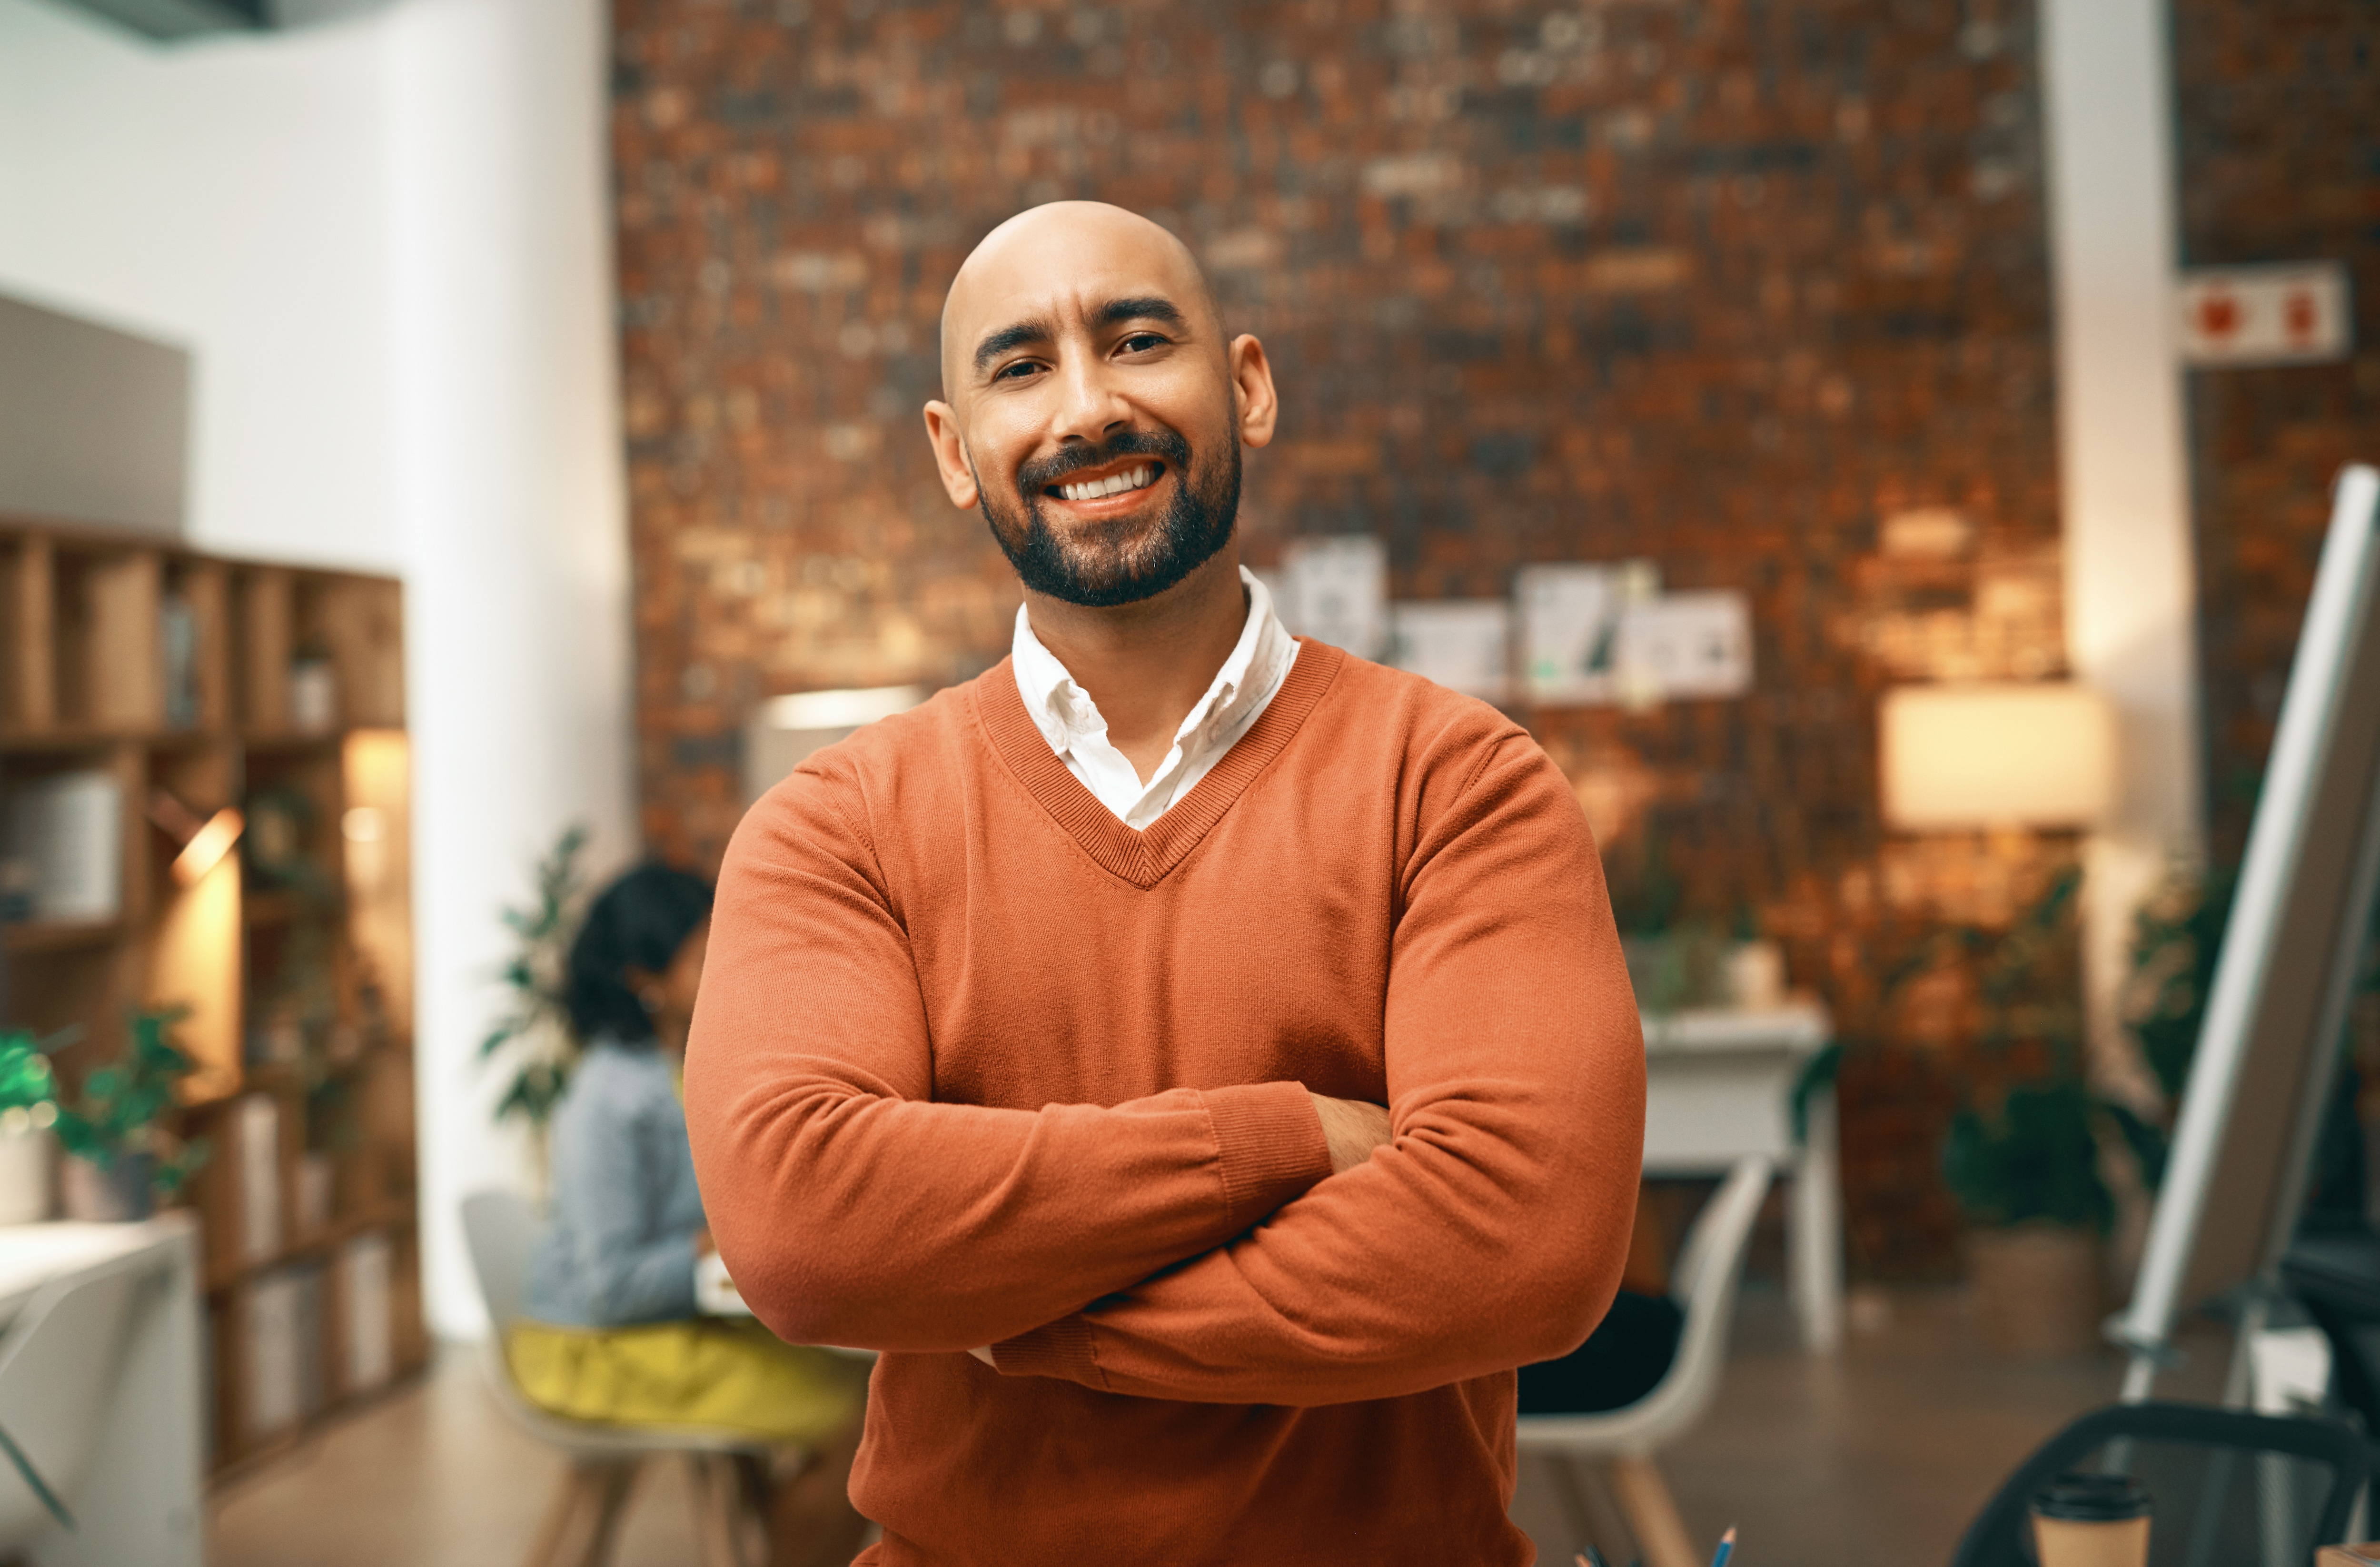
{"x":1131,"y":559}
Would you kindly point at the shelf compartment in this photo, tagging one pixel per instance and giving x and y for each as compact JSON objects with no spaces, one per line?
{"x":33,"y":936}
{"x":29,"y":685}
{"x":173,"y":670}
{"x":105,"y":604}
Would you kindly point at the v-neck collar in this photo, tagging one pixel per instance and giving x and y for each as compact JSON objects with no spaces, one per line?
{"x":1145,"y":857}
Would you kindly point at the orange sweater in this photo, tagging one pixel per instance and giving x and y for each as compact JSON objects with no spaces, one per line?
{"x":975,"y":1063}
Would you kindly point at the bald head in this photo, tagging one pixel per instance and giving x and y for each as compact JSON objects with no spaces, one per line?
{"x":1099,"y":260}
{"x":1094,"y":410}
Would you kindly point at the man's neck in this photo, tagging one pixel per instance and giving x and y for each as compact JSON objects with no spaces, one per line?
{"x":1146,"y":664}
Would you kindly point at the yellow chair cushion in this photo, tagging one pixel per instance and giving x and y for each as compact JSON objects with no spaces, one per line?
{"x":730,"y":1374}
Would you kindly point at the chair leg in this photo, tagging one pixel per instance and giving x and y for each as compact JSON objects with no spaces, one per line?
{"x":718,"y":1508}
{"x":1652,"y":1514}
{"x":1588,"y":1524}
{"x":585,"y":1514}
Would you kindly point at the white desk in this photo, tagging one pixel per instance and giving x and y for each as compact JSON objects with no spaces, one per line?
{"x":140,"y":1507}
{"x":1718,"y":1087}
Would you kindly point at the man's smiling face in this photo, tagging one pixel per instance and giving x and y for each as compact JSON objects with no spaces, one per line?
{"x":1095,"y":412}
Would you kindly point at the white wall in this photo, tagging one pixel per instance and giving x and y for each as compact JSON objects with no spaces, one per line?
{"x":513,"y":492}
{"x":223,"y":196}
{"x":2130,"y":571}
{"x":386,"y":243}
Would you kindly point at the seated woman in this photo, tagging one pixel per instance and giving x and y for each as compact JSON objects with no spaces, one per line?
{"x":615,"y":1333}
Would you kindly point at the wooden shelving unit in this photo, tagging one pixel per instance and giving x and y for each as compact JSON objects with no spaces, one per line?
{"x":193,"y":685}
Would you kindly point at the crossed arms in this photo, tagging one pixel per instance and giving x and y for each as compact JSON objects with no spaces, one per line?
{"x":1250,"y":1244}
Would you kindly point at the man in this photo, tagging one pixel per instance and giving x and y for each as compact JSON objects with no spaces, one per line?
{"x":1048,"y":1027}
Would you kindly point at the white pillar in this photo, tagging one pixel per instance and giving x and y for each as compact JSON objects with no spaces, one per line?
{"x":2131,"y":583}
{"x":512,"y":497}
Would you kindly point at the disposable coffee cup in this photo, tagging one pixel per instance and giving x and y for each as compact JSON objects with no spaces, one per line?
{"x":2092,"y":1521}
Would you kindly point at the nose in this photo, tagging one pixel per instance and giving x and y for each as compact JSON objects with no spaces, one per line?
{"x":1090,"y":406}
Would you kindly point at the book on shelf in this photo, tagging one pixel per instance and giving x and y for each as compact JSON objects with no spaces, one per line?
{"x":317,"y":1186}
{"x":281,"y":1351}
{"x":66,"y":835}
{"x":367,"y":1330}
{"x":313,"y":1387}
{"x":177,"y":650}
{"x":256,"y":1131}
{"x":313,"y":695}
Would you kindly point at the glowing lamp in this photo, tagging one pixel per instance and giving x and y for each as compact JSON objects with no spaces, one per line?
{"x":2040,"y":754}
{"x":208,"y":845}
{"x":203,"y":843}
{"x":785,"y":730}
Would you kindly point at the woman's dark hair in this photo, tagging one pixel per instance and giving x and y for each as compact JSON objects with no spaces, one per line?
{"x":640,"y":920}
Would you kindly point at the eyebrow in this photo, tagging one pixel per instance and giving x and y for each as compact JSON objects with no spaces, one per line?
{"x":1146,"y":306}
{"x":1014,"y":335}
{"x":1143,"y":307}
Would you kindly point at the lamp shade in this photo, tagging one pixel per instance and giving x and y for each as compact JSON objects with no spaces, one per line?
{"x":784,"y":731}
{"x":2018,"y":755}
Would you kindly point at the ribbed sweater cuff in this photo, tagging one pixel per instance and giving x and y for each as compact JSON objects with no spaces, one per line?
{"x":1272,"y":1146}
{"x":1055,"y":1349}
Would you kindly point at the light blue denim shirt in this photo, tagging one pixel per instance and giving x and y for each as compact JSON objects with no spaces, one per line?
{"x":619,"y":1248}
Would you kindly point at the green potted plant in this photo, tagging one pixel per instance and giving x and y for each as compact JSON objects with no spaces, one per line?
{"x":2177,"y":936}
{"x":532,"y":1038}
{"x":2026,"y":1173}
{"x":29,"y":1108}
{"x":2177,"y":944}
{"x":120,"y":1155}
{"x":2023,"y":1154}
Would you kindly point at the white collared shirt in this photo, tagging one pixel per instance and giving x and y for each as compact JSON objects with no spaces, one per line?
{"x":1070,"y":720}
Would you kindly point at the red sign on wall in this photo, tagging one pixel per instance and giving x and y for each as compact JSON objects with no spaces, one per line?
{"x":2293,"y":314}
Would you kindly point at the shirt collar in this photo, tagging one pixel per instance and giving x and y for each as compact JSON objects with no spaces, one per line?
{"x":1065,"y":715}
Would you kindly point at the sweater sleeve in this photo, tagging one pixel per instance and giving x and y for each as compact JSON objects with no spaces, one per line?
{"x":1491,"y":1233}
{"x":853,"y":1210}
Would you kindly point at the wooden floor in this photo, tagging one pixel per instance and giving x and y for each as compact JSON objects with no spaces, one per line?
{"x":1877,"y":1455}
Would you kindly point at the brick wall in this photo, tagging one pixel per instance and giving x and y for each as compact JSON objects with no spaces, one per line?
{"x":2279,"y":160}
{"x":1757,"y":291}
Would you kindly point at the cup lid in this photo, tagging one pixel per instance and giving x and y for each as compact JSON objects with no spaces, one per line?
{"x":2092,"y":1499}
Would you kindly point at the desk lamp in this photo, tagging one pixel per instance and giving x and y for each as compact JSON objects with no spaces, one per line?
{"x":2007,"y":755}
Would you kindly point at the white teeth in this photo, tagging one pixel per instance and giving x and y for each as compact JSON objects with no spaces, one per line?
{"x":1115,"y":484}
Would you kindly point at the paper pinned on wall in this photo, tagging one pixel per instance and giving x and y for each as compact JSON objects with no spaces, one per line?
{"x":1463,"y":644}
{"x":2278,"y":313}
{"x":1569,"y":628}
{"x":1606,"y":633}
{"x":1336,"y":591}
{"x":1688,"y":644}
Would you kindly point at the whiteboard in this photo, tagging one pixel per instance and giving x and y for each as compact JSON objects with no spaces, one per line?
{"x":2265,"y":1060}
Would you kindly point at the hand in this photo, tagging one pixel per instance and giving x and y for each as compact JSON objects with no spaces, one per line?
{"x":1353,"y":1129}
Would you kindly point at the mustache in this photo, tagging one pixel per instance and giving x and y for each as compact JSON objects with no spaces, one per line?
{"x":1042,"y":472}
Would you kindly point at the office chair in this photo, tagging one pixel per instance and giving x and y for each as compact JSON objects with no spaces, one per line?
{"x":604,"y":1458}
{"x":2230,"y":1488}
{"x":1622,"y":1441}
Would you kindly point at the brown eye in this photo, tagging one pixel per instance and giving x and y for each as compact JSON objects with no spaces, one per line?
{"x":1140,"y":340}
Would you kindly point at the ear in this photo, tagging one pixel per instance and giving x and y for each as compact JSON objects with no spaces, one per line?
{"x":950,"y":454}
{"x":1251,"y":394}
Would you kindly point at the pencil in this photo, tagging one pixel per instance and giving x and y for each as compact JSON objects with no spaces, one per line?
{"x":1726,"y":1548}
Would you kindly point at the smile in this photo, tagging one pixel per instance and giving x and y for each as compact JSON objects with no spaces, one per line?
{"x":1137,"y":476}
